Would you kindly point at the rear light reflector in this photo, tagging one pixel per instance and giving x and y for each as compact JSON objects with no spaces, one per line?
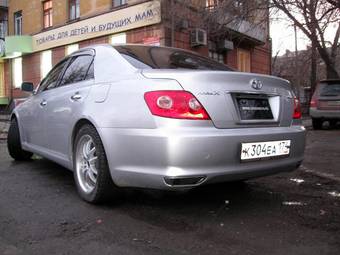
{"x":297,"y":109}
{"x":175,"y":104}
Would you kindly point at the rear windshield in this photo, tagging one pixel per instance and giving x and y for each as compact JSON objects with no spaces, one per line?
{"x":332,"y":89}
{"x":152,"y":57}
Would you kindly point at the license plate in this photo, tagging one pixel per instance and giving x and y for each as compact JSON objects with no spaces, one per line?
{"x":260,"y":150}
{"x":254,"y":109}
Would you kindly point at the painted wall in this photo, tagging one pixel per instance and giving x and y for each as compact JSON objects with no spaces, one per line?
{"x":32,"y":12}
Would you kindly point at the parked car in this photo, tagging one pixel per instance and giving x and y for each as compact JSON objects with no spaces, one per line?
{"x":325,"y":103}
{"x":157,"y":117}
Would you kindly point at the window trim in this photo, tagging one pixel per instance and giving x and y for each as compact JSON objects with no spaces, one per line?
{"x":47,"y":12}
{"x":18,"y":16}
{"x":76,"y":3}
{"x":122,"y":3}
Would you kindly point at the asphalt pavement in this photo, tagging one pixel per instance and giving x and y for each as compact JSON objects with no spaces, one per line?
{"x":290,"y":213}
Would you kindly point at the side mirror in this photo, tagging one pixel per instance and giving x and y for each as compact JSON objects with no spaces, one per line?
{"x":27,"y":86}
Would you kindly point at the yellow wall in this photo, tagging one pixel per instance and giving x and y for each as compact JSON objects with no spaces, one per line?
{"x":32,"y":12}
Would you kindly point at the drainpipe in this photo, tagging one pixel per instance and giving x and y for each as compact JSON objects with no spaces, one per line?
{"x":172,"y":23}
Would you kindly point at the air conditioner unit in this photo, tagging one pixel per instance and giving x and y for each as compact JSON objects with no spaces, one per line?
{"x":224,"y":45}
{"x":198,"y":37}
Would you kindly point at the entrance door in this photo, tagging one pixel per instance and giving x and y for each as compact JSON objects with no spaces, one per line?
{"x":243,"y":60}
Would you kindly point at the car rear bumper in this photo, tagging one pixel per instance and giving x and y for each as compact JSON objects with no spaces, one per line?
{"x":324,"y":114}
{"x":148,"y":157}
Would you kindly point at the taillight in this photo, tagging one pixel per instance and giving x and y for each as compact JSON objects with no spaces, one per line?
{"x":297,"y":109}
{"x":313,"y":102}
{"x":175,"y":104}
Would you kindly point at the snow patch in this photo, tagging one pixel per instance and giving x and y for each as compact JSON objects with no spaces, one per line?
{"x":334,"y":194}
{"x":298,"y":181}
{"x":296,"y":203}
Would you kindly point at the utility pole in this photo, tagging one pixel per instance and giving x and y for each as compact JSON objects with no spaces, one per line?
{"x":297,"y":67}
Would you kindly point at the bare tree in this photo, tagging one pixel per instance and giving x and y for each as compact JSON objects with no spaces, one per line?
{"x":313,"y":18}
{"x":219,"y":17}
{"x":335,"y":3}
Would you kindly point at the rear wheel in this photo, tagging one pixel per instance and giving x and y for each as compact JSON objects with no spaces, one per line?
{"x":317,"y":123}
{"x":91,"y":170}
{"x":14,"y":143}
{"x":332,"y":123}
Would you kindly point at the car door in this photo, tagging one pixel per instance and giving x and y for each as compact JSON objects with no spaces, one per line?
{"x":33,"y":120}
{"x":66,"y":105}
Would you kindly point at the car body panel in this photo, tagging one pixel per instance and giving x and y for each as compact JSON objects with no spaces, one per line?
{"x":327,"y":105}
{"x":151,"y":155}
{"x":216,"y":91}
{"x":143,"y":149}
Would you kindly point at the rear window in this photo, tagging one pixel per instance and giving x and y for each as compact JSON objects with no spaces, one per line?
{"x":332,"y":89}
{"x":151,"y":57}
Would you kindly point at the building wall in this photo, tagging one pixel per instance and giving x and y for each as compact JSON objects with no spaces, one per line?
{"x":31,"y":15}
{"x":32,"y":23}
{"x":32,"y":12}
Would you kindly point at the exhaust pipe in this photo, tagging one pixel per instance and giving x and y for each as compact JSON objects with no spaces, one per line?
{"x":184,"y":181}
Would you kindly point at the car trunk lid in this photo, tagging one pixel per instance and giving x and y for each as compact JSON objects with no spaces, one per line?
{"x":234,"y":99}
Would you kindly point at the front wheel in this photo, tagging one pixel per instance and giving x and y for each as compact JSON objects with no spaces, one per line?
{"x":14,"y":143}
{"x":91,"y":170}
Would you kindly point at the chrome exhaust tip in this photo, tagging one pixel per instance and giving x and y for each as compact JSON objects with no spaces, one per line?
{"x":184,"y":181}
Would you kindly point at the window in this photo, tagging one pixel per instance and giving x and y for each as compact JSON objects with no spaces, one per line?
{"x":74,"y":9}
{"x":71,"y":48}
{"x":330,"y":90}
{"x":51,"y":80}
{"x":47,"y":14}
{"x":17,"y":72}
{"x":45,"y":63}
{"x":118,"y":39}
{"x":76,"y":70}
{"x":117,"y":3}
{"x":167,"y":58}
{"x":212,"y":4}
{"x":18,"y":23}
{"x":219,"y":57}
{"x":90,"y":72}
{"x":243,"y":60}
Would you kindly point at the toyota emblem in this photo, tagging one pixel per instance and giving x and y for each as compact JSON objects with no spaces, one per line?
{"x":256,"y":84}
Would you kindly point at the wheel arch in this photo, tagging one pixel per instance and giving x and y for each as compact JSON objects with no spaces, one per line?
{"x":76,"y":128}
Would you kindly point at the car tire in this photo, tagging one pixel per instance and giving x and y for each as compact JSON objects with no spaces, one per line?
{"x":317,"y":123}
{"x":332,"y":123}
{"x":14,"y":143}
{"x":91,"y":171}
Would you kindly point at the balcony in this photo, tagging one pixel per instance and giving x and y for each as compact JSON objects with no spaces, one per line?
{"x":255,"y":33}
{"x":3,"y":29}
{"x":4,"y":3}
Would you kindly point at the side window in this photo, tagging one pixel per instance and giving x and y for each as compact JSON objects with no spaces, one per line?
{"x":76,"y":70}
{"x":51,"y":79}
{"x":90,"y":72}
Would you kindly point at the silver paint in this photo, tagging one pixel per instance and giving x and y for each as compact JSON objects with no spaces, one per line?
{"x":141,"y":148}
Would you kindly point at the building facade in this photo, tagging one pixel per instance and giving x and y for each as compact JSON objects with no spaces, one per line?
{"x":39,"y":33}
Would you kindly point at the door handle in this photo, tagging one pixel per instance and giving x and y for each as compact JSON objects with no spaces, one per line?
{"x":76,"y":97}
{"x":43,"y":103}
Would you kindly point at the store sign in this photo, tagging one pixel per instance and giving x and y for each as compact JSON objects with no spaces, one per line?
{"x":145,"y":14}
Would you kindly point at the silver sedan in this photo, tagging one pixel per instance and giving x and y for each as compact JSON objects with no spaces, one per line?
{"x":156,"y":117}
